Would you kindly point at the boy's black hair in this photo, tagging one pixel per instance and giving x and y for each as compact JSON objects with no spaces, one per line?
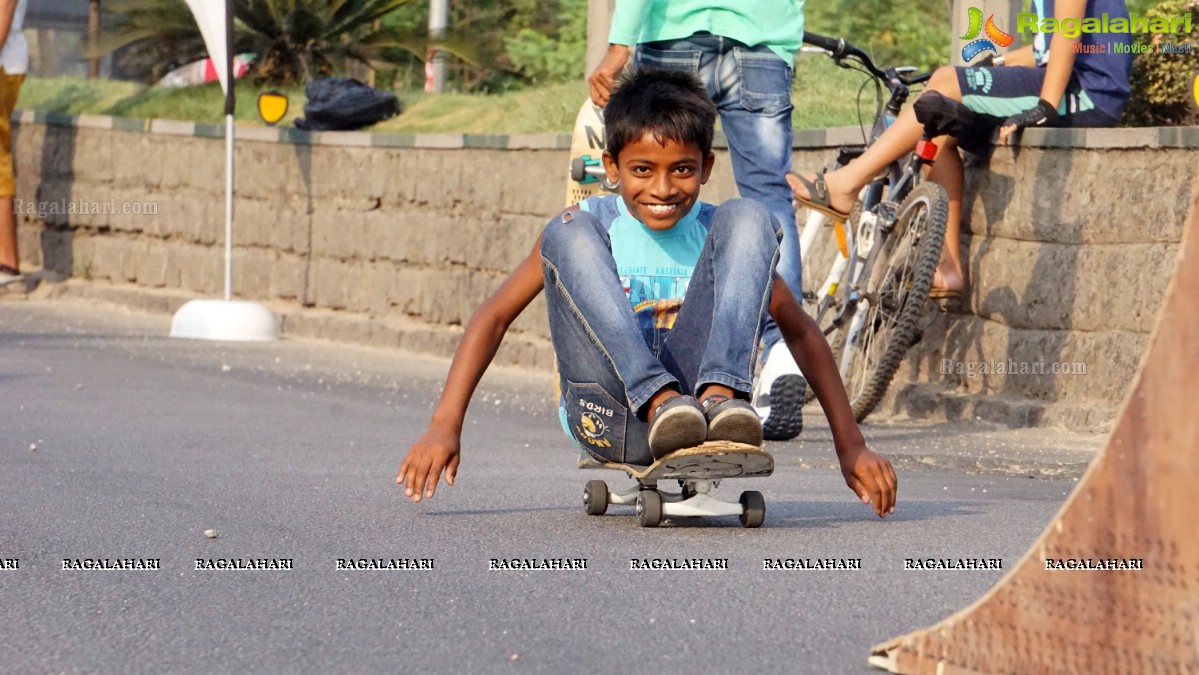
{"x":670,"y":104}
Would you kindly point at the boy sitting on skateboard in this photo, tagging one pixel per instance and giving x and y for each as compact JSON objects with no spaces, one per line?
{"x":656,"y":302}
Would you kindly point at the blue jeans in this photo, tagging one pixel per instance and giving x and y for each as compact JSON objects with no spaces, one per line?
{"x":606,"y":370}
{"x":752,"y":90}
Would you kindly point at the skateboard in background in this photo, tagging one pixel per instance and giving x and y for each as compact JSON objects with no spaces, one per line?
{"x":587,"y":177}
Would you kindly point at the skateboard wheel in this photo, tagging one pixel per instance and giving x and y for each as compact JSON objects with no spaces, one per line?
{"x":595,"y":497}
{"x":649,"y":508}
{"x":578,"y":169}
{"x":753,"y":509}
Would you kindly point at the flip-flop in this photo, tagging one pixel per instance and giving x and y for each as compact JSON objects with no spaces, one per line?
{"x":944,"y":294}
{"x":819,"y":197}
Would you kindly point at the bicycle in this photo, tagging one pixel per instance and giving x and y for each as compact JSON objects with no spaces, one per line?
{"x":871,"y":303}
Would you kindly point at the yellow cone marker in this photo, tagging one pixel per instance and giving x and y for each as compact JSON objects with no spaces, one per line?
{"x":272,"y":106}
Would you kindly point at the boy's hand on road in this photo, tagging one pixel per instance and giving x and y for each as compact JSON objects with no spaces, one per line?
{"x":871,"y":477}
{"x":433,"y":452}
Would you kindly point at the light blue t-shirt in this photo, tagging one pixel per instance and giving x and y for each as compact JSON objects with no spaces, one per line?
{"x":654,"y":267}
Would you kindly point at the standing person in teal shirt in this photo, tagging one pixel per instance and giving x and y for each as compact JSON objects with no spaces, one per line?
{"x":743,"y":52}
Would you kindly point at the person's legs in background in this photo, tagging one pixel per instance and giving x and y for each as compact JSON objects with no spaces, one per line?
{"x":752,"y":91}
{"x":755,"y":114}
{"x":10,"y":261}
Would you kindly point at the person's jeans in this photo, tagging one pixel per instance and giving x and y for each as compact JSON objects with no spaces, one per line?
{"x":606,"y":370}
{"x":751,"y":87}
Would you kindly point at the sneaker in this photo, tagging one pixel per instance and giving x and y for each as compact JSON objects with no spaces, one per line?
{"x":679,"y":422}
{"x":731,"y":419}
{"x":9,"y":276}
{"x":778,"y":396}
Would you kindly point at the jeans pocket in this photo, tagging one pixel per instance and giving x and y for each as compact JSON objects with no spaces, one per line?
{"x":596,"y":421}
{"x":765,"y":81}
{"x":671,"y":59}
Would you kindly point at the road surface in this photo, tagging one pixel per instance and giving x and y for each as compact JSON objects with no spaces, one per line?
{"x":119,"y":443}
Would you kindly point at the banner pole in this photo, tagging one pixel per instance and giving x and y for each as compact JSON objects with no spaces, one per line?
{"x":227,"y":319}
{"x":228,"y":207}
{"x":230,"y":105}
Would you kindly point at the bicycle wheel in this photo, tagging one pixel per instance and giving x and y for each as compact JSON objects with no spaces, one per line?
{"x":872,"y":345}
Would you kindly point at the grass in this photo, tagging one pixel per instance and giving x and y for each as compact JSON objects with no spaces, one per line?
{"x":824,"y":96}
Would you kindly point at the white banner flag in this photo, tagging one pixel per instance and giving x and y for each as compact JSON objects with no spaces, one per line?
{"x":210,"y":16}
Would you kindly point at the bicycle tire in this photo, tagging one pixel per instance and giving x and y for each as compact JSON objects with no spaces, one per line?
{"x":898,"y":288}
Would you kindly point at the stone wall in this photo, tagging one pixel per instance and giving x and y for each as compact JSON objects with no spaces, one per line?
{"x":392,"y":240}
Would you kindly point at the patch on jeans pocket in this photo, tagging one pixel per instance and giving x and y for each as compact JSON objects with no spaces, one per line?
{"x":596,"y":420}
{"x":673,"y":59}
{"x":765,"y":81}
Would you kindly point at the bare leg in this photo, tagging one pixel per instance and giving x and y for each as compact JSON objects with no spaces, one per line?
{"x":8,"y":235}
{"x":663,"y":395}
{"x":947,"y":171}
{"x":898,"y":140}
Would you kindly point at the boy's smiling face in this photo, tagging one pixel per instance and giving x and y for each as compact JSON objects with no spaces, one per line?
{"x":659,"y":182}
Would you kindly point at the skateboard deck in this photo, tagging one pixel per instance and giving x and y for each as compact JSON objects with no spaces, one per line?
{"x":586,"y":178}
{"x":710,"y":461}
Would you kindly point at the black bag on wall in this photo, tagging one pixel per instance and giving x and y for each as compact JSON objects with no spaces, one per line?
{"x":344,"y":104}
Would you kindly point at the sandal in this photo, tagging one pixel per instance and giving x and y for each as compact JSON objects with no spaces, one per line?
{"x":944,"y":294}
{"x":818,"y":197}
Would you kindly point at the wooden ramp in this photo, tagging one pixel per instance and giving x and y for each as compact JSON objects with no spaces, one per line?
{"x":1138,"y":500}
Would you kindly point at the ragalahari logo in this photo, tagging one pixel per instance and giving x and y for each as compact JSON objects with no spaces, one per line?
{"x":994,"y":40}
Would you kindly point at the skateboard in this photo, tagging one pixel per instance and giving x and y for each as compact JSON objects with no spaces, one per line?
{"x":698,"y":471}
{"x":587,"y":177}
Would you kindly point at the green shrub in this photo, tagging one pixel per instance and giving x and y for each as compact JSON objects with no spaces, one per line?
{"x":1163,"y":84}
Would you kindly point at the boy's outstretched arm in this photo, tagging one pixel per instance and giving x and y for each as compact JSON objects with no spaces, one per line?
{"x":438,"y":448}
{"x":867,"y":473}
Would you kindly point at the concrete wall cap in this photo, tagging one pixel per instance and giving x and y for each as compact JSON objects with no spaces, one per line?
{"x":440,"y":141}
{"x":346,"y":138}
{"x":101,"y":122}
{"x":165,"y":127}
{"x":804,"y":139}
{"x":265,"y":134}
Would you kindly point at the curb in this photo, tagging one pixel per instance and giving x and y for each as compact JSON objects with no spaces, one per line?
{"x":296,"y":321}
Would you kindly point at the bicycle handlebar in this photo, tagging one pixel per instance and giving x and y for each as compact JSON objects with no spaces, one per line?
{"x":840,"y":48}
{"x":834,"y":45}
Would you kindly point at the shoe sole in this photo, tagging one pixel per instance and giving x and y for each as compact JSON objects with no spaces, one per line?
{"x":680,"y":427}
{"x":785,"y":420}
{"x":738,"y":425}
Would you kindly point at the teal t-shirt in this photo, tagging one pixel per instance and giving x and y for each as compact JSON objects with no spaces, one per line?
{"x":777,"y":24}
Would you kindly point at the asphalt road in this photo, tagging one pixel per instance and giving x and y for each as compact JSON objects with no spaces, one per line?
{"x":117,"y":442}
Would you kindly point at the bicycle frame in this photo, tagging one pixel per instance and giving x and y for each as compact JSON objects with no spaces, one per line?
{"x":850,"y":260}
{"x":846,"y":291}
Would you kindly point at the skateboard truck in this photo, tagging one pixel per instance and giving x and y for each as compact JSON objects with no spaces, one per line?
{"x":587,"y":169}
{"x":698,"y":471}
